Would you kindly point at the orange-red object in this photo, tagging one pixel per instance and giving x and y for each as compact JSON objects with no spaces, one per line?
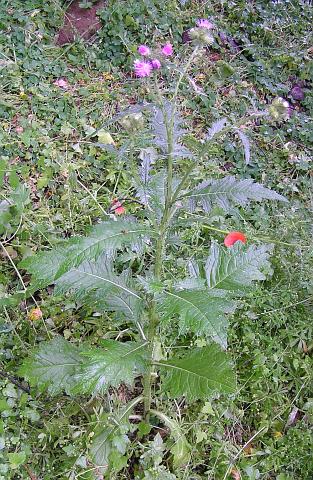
{"x":234,"y":237}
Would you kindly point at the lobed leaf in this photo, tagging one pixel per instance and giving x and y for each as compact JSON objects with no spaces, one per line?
{"x":201,"y":312}
{"x":216,"y":128}
{"x":245,"y":143}
{"x":113,"y":364}
{"x":229,"y":191}
{"x":159,"y":120}
{"x":200,"y":374}
{"x":96,"y":283}
{"x":106,"y":237}
{"x":53,"y":365}
{"x":237,"y":267}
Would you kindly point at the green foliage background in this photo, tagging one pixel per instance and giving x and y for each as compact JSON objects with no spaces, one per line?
{"x":271,"y":336}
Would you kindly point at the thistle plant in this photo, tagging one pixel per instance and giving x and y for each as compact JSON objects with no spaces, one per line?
{"x":146,"y":294}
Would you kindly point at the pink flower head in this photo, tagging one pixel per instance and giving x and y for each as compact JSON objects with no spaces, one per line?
{"x":60,"y":82}
{"x":204,"y":23}
{"x":144,"y":50}
{"x":142,"y":68}
{"x":156,"y":64}
{"x":167,"y":50}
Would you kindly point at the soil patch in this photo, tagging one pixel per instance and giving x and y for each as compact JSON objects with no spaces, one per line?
{"x":82,"y":22}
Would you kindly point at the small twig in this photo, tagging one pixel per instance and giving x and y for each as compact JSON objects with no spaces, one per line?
{"x":13,"y":265}
{"x":92,"y":196}
{"x":31,"y":475}
{"x":13,"y":380}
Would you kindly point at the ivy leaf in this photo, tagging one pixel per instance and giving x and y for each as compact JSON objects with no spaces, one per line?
{"x":109,"y":432}
{"x":200,"y":374}
{"x":227,"y":191}
{"x":237,"y":267}
{"x":113,"y":364}
{"x":54,"y":364}
{"x":200,"y":312}
{"x":97,"y":284}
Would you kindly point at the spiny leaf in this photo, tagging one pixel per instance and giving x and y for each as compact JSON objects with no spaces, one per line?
{"x":216,"y":128}
{"x":113,"y":364}
{"x":54,"y":365}
{"x":228,"y":191}
{"x":200,"y":374}
{"x":147,"y":157}
{"x":106,"y":237}
{"x":44,"y":265}
{"x":237,"y":267}
{"x":246,"y":144}
{"x":152,"y":194}
{"x":96,"y":283}
{"x":200,"y":312}
{"x":108,"y":431}
{"x":162,"y":116}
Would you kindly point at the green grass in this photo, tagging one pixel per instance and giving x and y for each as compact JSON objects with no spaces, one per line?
{"x":69,"y":177}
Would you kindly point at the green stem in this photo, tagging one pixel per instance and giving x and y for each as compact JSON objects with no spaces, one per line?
{"x":164,"y":224}
{"x":182,"y":183}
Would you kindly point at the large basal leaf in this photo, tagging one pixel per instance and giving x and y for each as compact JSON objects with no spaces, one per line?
{"x":111,"y":435}
{"x":227,"y":192}
{"x":53,"y":365}
{"x":200,"y":374}
{"x":237,"y":267}
{"x":95,"y":283}
{"x":109,"y":366}
{"x":106,"y":237}
{"x":199,"y":311}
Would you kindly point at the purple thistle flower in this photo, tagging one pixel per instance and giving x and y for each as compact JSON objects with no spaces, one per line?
{"x":167,"y":50}
{"x":204,"y":23}
{"x":156,"y":64}
{"x":144,"y":50}
{"x":142,"y":68}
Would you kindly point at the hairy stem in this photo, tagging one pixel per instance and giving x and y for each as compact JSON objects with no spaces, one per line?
{"x":164,"y":224}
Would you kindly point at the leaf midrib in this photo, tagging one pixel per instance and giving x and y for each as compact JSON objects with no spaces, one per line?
{"x":125,"y":289}
{"x":189,"y":372}
{"x":203,"y":315}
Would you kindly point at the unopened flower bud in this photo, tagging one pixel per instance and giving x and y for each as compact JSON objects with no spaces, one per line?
{"x":201,"y":36}
{"x":207,"y":39}
{"x":133,"y":121}
{"x":280,"y":109}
